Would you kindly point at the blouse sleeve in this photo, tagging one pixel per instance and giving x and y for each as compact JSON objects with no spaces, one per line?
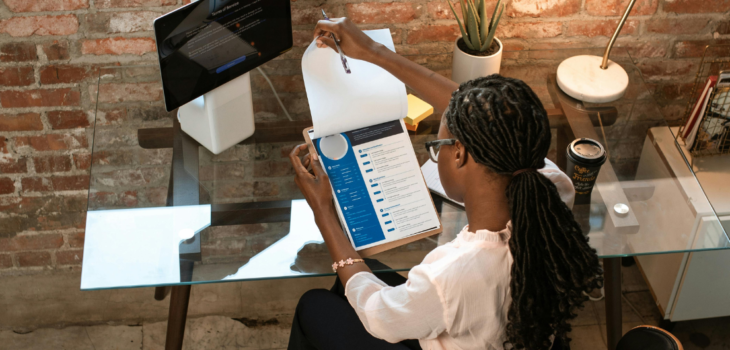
{"x":413,"y":310}
{"x":561,"y":181}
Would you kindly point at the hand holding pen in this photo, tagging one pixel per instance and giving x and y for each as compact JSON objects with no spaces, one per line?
{"x":351,"y":40}
{"x":339,"y":49}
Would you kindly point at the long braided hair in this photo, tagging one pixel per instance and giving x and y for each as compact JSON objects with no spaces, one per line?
{"x":504,"y":126}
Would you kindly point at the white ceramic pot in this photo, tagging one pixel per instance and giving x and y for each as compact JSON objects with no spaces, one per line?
{"x":467,"y":67}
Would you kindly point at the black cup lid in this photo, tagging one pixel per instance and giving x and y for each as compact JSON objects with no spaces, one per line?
{"x":587,"y":149}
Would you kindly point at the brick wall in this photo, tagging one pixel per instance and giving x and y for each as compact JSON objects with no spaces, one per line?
{"x":51,"y":52}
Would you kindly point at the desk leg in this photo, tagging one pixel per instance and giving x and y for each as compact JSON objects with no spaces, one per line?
{"x":612,"y":286}
{"x":160,"y":293}
{"x":179,"y":299}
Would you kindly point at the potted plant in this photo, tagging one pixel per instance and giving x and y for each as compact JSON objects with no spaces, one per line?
{"x":477,"y":52}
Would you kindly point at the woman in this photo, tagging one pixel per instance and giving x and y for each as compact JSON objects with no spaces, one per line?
{"x":511,"y":279}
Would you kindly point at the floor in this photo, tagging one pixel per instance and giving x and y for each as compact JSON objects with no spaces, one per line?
{"x":218,"y":332}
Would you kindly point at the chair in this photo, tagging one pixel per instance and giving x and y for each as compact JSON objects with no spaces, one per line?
{"x":648,"y":338}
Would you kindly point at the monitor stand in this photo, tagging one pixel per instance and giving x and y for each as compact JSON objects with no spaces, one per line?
{"x":221,"y":118}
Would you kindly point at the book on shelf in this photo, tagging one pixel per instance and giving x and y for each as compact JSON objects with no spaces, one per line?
{"x":696,"y":114}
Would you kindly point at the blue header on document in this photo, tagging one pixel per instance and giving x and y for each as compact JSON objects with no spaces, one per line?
{"x":377,"y":184}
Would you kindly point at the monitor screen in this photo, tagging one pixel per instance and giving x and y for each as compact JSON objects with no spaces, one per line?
{"x":210,"y":42}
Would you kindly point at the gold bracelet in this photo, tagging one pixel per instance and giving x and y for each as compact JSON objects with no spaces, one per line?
{"x":342,"y":263}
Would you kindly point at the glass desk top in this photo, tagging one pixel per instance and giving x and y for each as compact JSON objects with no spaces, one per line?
{"x":163,"y":210}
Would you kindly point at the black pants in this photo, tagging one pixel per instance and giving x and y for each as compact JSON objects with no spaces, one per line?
{"x":324,"y":320}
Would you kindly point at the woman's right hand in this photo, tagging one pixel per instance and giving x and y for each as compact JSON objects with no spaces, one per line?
{"x":352,"y":40}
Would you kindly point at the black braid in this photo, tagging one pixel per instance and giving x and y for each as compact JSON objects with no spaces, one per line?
{"x":503,"y":125}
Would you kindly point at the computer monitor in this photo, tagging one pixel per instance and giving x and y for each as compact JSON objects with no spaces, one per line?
{"x":206,"y":50}
{"x":208,"y":43}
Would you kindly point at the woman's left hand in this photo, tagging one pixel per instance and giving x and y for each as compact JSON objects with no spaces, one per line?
{"x":314,"y":185}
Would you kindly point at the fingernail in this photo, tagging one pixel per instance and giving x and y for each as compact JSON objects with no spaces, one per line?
{"x":314,"y":156}
{"x":319,"y":42}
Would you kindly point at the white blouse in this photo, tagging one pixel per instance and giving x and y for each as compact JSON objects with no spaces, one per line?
{"x":457,"y":298}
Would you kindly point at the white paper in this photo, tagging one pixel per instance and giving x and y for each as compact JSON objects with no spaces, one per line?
{"x":138,"y":247}
{"x":430,"y":172}
{"x":342,"y":102}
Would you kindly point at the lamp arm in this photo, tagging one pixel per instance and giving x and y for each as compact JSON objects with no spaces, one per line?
{"x":604,"y":64}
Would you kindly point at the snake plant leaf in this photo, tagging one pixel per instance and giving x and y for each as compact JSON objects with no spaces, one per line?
{"x":461,"y":27}
{"x":494,"y":14}
{"x":464,"y":10}
{"x":473,"y":30}
{"x":474,"y":12}
{"x":483,"y":30}
{"x":492,"y":31}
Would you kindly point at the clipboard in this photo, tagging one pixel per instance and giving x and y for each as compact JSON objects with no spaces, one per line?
{"x":367,"y":252}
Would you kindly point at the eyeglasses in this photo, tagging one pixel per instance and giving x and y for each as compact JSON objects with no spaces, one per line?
{"x":434,"y":146}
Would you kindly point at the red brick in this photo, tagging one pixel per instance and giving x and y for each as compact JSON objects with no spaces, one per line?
{"x":52,"y":142}
{"x":5,"y":261}
{"x":433,"y":33}
{"x":302,"y":37}
{"x":118,"y":46}
{"x":439,"y":9}
{"x":52,"y":164}
{"x":59,"y":74}
{"x":696,"y":48}
{"x":40,"y":25}
{"x":60,"y":221}
{"x":76,"y":240}
{"x":156,"y":195}
{"x":20,"y":122}
{"x":640,"y":48}
{"x":13,"y":166}
{"x":16,"y":76}
{"x":282,"y":83}
{"x":677,"y":25}
{"x":308,"y":15}
{"x":18,"y":52}
{"x":618,"y":7}
{"x":30,"y":259}
{"x":82,"y":161}
{"x":28,"y":205}
{"x":70,"y":183}
{"x":265,"y":188}
{"x":10,"y":226}
{"x":36,"y":184}
{"x":665,"y":69}
{"x":56,"y":50}
{"x":102,"y":199}
{"x":68,"y":119}
{"x":374,"y":12}
{"x":33,"y":242}
{"x":692,"y":6}
{"x":7,"y":185}
{"x":529,"y":30}
{"x":722,"y":27}
{"x":124,"y":92}
{"x":69,"y":257}
{"x":599,"y":28}
{"x":121,"y":22}
{"x":110,"y":116}
{"x":46,"y":5}
{"x":542,"y":8}
{"x":133,"y":3}
{"x":40,"y":98}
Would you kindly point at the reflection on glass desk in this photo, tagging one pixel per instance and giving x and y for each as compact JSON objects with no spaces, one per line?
{"x":261,"y":229}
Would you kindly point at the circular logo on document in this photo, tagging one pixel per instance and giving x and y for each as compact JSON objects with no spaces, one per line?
{"x":360,"y":151}
{"x":344,"y":208}
{"x":329,"y":168}
{"x":371,"y":180}
{"x":353,"y":230}
{"x":338,"y":191}
{"x":381,"y":210}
